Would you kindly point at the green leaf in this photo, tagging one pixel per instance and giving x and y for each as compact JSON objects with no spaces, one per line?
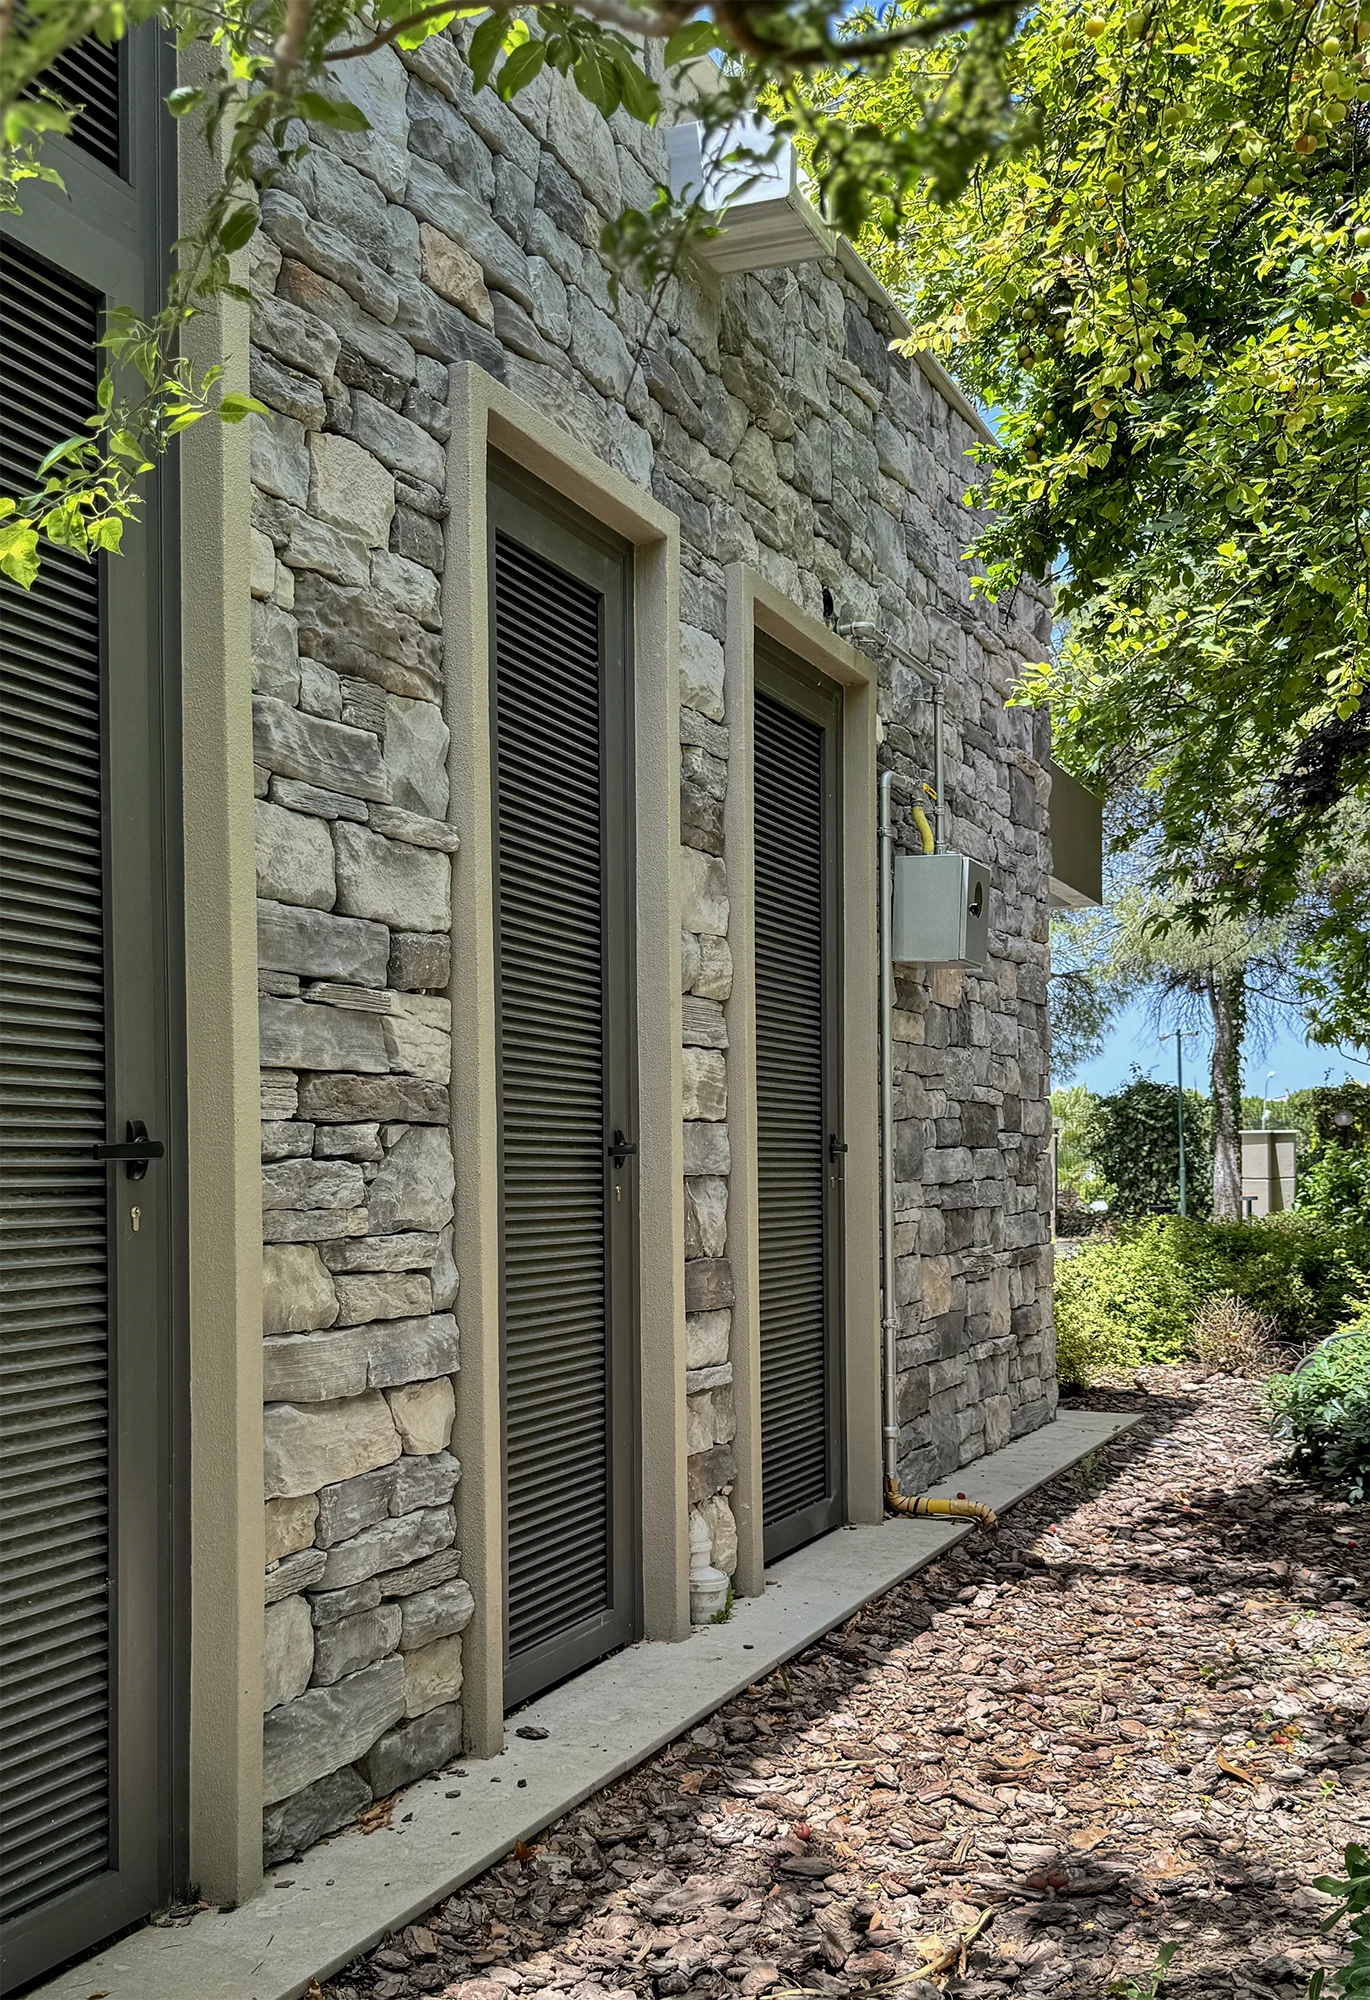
{"x":597,"y":81}
{"x":641,"y":98}
{"x":520,"y":68}
{"x":334,"y":111}
{"x":486,"y":44}
{"x":19,"y":552}
{"x":235,"y":406}
{"x":107,"y":533}
{"x":696,"y":38}
{"x":184,"y":99}
{"x":423,"y":31}
{"x":238,"y":229}
{"x":65,"y":529}
{"x":71,"y":447}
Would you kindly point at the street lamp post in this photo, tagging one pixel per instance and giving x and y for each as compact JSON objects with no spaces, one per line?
{"x":1265,"y":1100}
{"x":1178,"y":1036}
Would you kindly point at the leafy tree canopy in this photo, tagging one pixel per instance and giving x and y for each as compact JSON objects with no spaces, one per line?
{"x":1168,"y":307}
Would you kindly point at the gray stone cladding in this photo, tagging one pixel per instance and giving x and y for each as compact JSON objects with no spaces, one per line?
{"x":768,"y":413}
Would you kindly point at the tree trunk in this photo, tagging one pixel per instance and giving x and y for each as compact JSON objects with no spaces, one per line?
{"x":1227,"y":999}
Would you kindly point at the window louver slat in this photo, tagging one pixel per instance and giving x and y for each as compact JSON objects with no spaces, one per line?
{"x":54,"y":1356}
{"x":90,"y":75}
{"x":797,"y":1472}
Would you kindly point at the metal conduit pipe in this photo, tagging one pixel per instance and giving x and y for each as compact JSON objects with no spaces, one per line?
{"x":866,"y":628}
{"x":889,"y":1324}
{"x":890,"y":781}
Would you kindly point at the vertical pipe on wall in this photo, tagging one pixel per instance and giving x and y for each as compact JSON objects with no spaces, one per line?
{"x":889,"y":1324}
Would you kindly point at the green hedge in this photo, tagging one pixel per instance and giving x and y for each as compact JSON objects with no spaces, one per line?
{"x":1133,"y":1298}
{"x":1324,"y":1411}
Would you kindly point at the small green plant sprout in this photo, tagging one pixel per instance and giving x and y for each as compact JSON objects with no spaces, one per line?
{"x":1148,"y":1984}
{"x":1088,"y":1476}
{"x":1353,"y":1976}
{"x":722,"y":1617}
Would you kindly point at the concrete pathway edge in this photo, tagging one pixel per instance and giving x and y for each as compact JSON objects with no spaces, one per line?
{"x":314,"y":1915}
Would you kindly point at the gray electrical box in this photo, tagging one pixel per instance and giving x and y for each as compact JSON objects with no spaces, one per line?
{"x":941,"y":910}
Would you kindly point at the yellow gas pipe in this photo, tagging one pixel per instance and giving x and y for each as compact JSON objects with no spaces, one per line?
{"x":959,"y":1509}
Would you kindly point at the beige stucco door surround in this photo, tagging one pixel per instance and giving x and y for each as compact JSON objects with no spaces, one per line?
{"x":222,"y":1081}
{"x":486,"y":417}
{"x":756,"y":606}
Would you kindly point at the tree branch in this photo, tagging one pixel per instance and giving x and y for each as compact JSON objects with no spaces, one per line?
{"x":656,"y":26}
{"x":290,"y":46}
{"x":734,"y":17}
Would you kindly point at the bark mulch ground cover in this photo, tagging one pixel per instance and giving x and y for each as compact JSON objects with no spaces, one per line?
{"x":1139,"y":1714}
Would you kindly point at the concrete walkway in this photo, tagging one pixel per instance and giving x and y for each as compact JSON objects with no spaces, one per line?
{"x":315,"y":1914}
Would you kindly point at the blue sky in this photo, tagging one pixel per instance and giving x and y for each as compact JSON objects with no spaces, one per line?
{"x":1134,"y":1039}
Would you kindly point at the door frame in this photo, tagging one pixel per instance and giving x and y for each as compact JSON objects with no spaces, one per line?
{"x":754,"y":605}
{"x":113,"y":232}
{"x":487,"y":417}
{"x":792,"y":684}
{"x":565,"y":537}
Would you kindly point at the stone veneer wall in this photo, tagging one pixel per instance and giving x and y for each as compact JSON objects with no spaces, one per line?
{"x":769,"y":415}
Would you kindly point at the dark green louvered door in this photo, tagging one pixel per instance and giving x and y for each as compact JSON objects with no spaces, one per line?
{"x":85,"y":1492}
{"x":562,"y":717}
{"x":799,"y":1142}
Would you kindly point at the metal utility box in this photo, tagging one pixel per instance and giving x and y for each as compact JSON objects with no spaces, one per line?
{"x":941,"y":910}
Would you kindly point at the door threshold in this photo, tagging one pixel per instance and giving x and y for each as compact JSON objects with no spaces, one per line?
{"x":314,"y":1915}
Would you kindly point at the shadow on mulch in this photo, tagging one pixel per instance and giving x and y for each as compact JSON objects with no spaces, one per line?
{"x":595,"y":1907}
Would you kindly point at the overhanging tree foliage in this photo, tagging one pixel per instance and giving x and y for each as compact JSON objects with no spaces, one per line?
{"x":1169,"y":307}
{"x":277,"y":70}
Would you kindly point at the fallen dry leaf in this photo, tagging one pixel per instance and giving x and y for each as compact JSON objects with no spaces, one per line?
{"x":1235,"y":1770}
{"x":378,"y":1815}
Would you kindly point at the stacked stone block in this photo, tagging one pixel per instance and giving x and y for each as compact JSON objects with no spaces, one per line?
{"x":365,"y":1606}
{"x":768,"y":413}
{"x":707,"y":979}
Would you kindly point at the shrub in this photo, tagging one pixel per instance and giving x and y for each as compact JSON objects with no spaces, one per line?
{"x":1131,"y":1138}
{"x":1334,"y":1186}
{"x":1136,"y":1298}
{"x":1232,"y":1336}
{"x":1323,"y":1409}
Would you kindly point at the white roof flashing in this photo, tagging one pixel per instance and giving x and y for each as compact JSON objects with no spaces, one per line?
{"x":774,"y":231}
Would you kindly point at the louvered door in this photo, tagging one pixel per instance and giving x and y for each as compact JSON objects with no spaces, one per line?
{"x":798,"y":1117}
{"x":562,"y":730}
{"x":85,"y":1362}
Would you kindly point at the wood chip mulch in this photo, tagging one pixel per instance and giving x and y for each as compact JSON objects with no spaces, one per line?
{"x":1139,"y":1714}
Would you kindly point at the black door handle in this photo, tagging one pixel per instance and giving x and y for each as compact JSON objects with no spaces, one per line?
{"x":836,"y":1148}
{"x":620,"y":1149}
{"x":136,"y":1150}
